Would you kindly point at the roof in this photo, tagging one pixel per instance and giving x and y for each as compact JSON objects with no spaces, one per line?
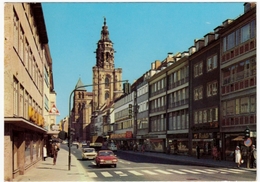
{"x":80,"y":84}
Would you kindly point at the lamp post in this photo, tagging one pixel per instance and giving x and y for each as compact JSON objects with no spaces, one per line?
{"x":69,"y":124}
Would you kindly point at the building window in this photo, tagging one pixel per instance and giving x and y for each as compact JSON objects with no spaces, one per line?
{"x":212,"y":63}
{"x":46,"y":77}
{"x":198,"y":93}
{"x":195,"y":117}
{"x":46,"y":103}
{"x":21,"y":43}
{"x":15,"y":95}
{"x":198,"y":69}
{"x":107,"y":82}
{"x":200,"y":116}
{"x":204,"y":116}
{"x":16,"y":31}
{"x":231,"y":40}
{"x":252,"y":103}
{"x":21,"y":102}
{"x":245,"y":105}
{"x":106,"y":95}
{"x":212,"y":88}
{"x":245,"y":33}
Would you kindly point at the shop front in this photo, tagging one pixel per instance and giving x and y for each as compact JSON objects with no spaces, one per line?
{"x":155,"y":143}
{"x":178,"y":144}
{"x":123,"y":140}
{"x":206,"y":142}
{"x":23,"y":145}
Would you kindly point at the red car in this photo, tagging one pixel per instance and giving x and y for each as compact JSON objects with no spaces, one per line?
{"x":106,"y":157}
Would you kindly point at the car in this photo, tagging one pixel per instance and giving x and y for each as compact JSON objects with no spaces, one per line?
{"x":84,"y":146}
{"x":106,"y":157}
{"x":75,"y":143}
{"x":112,"y":147}
{"x":88,"y":153}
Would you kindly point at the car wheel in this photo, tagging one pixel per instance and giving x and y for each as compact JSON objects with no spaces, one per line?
{"x":114,"y":165}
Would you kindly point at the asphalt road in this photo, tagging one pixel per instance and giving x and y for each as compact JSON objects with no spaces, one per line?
{"x":133,"y":167}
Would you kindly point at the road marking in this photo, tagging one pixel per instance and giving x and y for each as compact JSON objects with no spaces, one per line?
{"x":189,"y":171}
{"x":228,"y":171}
{"x":91,"y":174}
{"x":93,"y":163}
{"x":149,"y":172}
{"x":106,"y":174}
{"x":120,"y":173}
{"x":175,"y":171}
{"x":161,"y":171}
{"x":211,"y":170}
{"x":203,"y":171}
{"x":136,"y":173}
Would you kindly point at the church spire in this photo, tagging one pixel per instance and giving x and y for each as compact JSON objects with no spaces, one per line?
{"x":105,"y":51}
{"x":105,"y":32}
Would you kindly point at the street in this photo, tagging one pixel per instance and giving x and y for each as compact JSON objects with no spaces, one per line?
{"x":132,"y":167}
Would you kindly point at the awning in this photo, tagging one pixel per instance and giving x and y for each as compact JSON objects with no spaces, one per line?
{"x":238,"y":138}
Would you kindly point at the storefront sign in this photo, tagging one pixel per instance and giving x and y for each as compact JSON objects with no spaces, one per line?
{"x":129,"y":134}
{"x":201,"y":135}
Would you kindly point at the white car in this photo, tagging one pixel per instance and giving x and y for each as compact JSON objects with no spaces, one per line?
{"x":89,"y":153}
{"x":112,"y":147}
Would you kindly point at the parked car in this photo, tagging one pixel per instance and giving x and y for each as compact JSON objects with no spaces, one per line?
{"x":88,"y":153}
{"x":106,"y":157}
{"x":112,"y":147}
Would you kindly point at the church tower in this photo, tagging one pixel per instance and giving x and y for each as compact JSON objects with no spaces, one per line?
{"x":105,"y":75}
{"x":81,"y":113}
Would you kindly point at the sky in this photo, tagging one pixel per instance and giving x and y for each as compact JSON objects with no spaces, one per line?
{"x":141,"y":33}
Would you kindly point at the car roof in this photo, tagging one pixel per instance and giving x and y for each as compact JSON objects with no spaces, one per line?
{"x":105,"y":150}
{"x":88,"y":148}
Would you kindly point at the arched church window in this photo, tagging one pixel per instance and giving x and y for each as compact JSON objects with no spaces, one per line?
{"x":106,"y":95}
{"x":106,"y":82}
{"x":82,"y":95}
{"x":79,"y":95}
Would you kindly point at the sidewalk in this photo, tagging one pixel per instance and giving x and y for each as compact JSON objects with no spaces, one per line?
{"x":46,"y":171}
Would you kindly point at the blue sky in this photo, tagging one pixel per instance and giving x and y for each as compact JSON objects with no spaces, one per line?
{"x":141,"y":33}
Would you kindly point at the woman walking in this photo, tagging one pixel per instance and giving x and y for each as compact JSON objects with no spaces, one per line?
{"x":44,"y":152}
{"x":238,"y":157}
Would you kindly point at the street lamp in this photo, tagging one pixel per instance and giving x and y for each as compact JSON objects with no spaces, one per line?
{"x":69,"y":124}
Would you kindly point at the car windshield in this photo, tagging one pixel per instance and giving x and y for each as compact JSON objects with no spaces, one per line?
{"x":106,"y":153}
{"x":89,"y":150}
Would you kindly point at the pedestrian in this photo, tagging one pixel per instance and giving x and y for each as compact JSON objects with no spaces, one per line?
{"x":44,"y":152}
{"x":143,"y":148}
{"x":253,"y":157}
{"x":238,"y":156}
{"x":55,"y":149}
{"x":215,"y":152}
{"x":198,"y":151}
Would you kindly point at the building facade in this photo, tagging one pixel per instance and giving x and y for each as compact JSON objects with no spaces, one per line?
{"x":29,"y":88}
{"x":204,"y":92}
{"x":238,"y":80}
